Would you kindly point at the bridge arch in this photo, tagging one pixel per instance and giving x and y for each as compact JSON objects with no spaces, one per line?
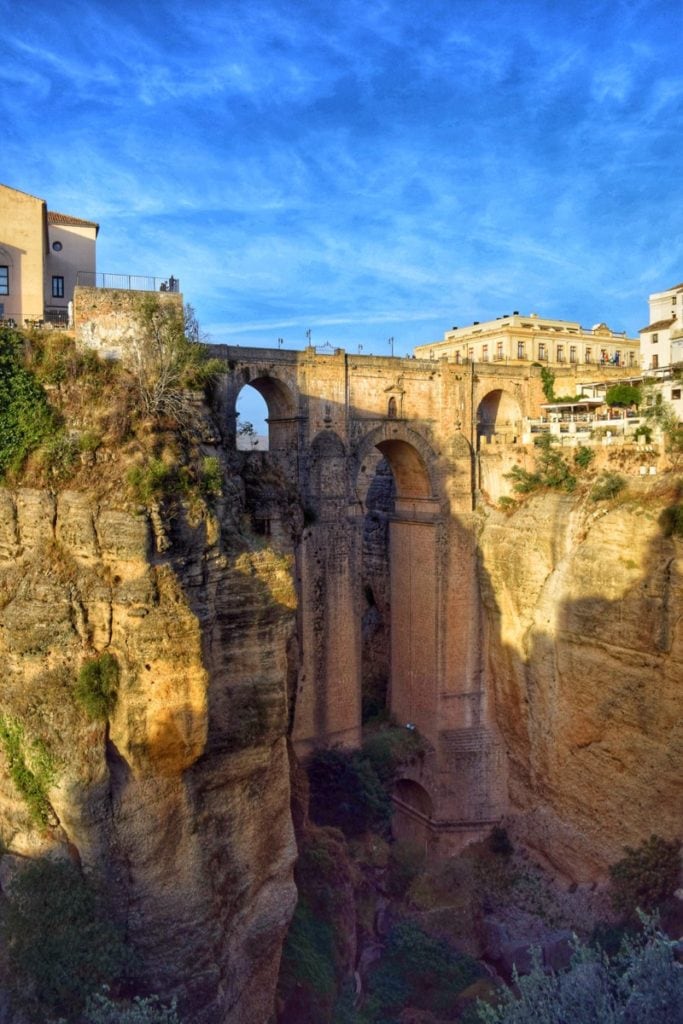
{"x":498,"y":413}
{"x":410,"y":458}
{"x":280,"y":401}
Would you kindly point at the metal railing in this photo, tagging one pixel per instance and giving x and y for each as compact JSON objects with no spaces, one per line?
{"x":127,"y":282}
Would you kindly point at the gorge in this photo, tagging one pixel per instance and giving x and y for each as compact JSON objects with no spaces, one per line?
{"x":253,"y":600}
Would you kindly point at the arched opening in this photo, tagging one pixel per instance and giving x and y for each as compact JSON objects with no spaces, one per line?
{"x":391,"y":408}
{"x":399,"y":613}
{"x":267,"y":404}
{"x":499,"y":416}
{"x":409,"y":470}
{"x":413,"y":811}
{"x":251,"y":411}
{"x":376,"y":614}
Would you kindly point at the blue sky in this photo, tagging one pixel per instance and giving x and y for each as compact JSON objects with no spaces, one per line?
{"x":363,"y":169}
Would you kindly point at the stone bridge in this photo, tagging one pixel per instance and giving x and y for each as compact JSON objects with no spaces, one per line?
{"x":335,"y":422}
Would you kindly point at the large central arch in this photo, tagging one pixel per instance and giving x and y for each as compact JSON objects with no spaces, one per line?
{"x":414,"y":530}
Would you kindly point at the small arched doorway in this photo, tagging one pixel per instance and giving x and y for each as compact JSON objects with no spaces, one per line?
{"x":413,"y":812}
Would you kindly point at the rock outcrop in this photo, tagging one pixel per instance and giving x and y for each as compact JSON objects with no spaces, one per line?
{"x":181,"y":800}
{"x":584,"y":656}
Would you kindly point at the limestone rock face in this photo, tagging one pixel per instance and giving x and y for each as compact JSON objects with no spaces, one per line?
{"x":584,"y":654}
{"x":182,"y":799}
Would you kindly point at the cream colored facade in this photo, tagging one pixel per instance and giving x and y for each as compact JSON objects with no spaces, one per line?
{"x":41,"y":254}
{"x":533,"y":339}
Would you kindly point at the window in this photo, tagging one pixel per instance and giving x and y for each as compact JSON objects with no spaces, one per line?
{"x":572,"y":353}
{"x":521,"y":353}
{"x":499,"y":350}
{"x":457,"y":356}
{"x":631,"y":358}
{"x":541,"y":351}
{"x":485,"y":354}
{"x":617,"y":358}
{"x":655,"y":339}
{"x":655,"y":361}
{"x":675,"y":394}
{"x":57,"y":287}
{"x":589,"y":354}
{"x":470,"y":353}
{"x":4,"y":280}
{"x":391,"y":411}
{"x":560,"y":353}
{"x":673,"y":300}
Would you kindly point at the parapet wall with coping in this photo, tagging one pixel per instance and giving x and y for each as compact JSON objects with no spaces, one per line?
{"x":107,"y":319}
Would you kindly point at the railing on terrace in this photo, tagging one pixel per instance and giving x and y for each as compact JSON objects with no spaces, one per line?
{"x":127,"y":282}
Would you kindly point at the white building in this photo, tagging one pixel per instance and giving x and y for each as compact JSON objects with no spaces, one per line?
{"x":661,"y":345}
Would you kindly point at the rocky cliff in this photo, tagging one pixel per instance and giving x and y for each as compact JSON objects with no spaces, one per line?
{"x":584,"y":656}
{"x":181,"y":800}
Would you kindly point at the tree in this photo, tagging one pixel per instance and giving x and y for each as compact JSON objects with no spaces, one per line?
{"x":623,"y":395}
{"x":248,"y":431}
{"x":62,"y":941}
{"x":641,"y":984}
{"x":167,"y":358}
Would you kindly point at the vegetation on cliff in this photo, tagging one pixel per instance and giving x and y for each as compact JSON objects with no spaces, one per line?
{"x":640,"y":984}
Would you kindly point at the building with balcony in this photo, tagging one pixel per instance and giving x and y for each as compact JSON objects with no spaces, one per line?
{"x":41,"y":254}
{"x":532,"y":339}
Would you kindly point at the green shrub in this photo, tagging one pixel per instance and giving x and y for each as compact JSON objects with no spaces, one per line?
{"x":644,"y":431}
{"x":347,"y":793}
{"x":583,"y":456}
{"x":551,"y":470}
{"x":150,"y":481}
{"x":30,"y":766}
{"x":607,"y":487}
{"x":646,"y":876}
{"x":419,"y":971}
{"x":211,"y":478}
{"x":102,"y":1010}
{"x":671,"y":520}
{"x":390,"y":747}
{"x":59,"y":455}
{"x":642,"y":984}
{"x":61,"y":940}
{"x":405,"y":863}
{"x":26,"y":419}
{"x":548,"y":383}
{"x":506,"y":503}
{"x":89,"y":441}
{"x":97,"y":686}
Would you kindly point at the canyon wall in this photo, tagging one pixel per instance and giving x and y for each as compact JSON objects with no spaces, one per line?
{"x":584,"y":657}
{"x":180,"y":801}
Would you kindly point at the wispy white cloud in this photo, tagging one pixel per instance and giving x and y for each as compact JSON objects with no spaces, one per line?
{"x":354,"y":164}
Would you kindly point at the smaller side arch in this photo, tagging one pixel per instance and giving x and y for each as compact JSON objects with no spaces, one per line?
{"x":499,"y":414}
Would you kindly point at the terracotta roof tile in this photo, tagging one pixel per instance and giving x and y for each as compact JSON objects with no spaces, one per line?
{"x":660,"y":325}
{"x":65,"y":218}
